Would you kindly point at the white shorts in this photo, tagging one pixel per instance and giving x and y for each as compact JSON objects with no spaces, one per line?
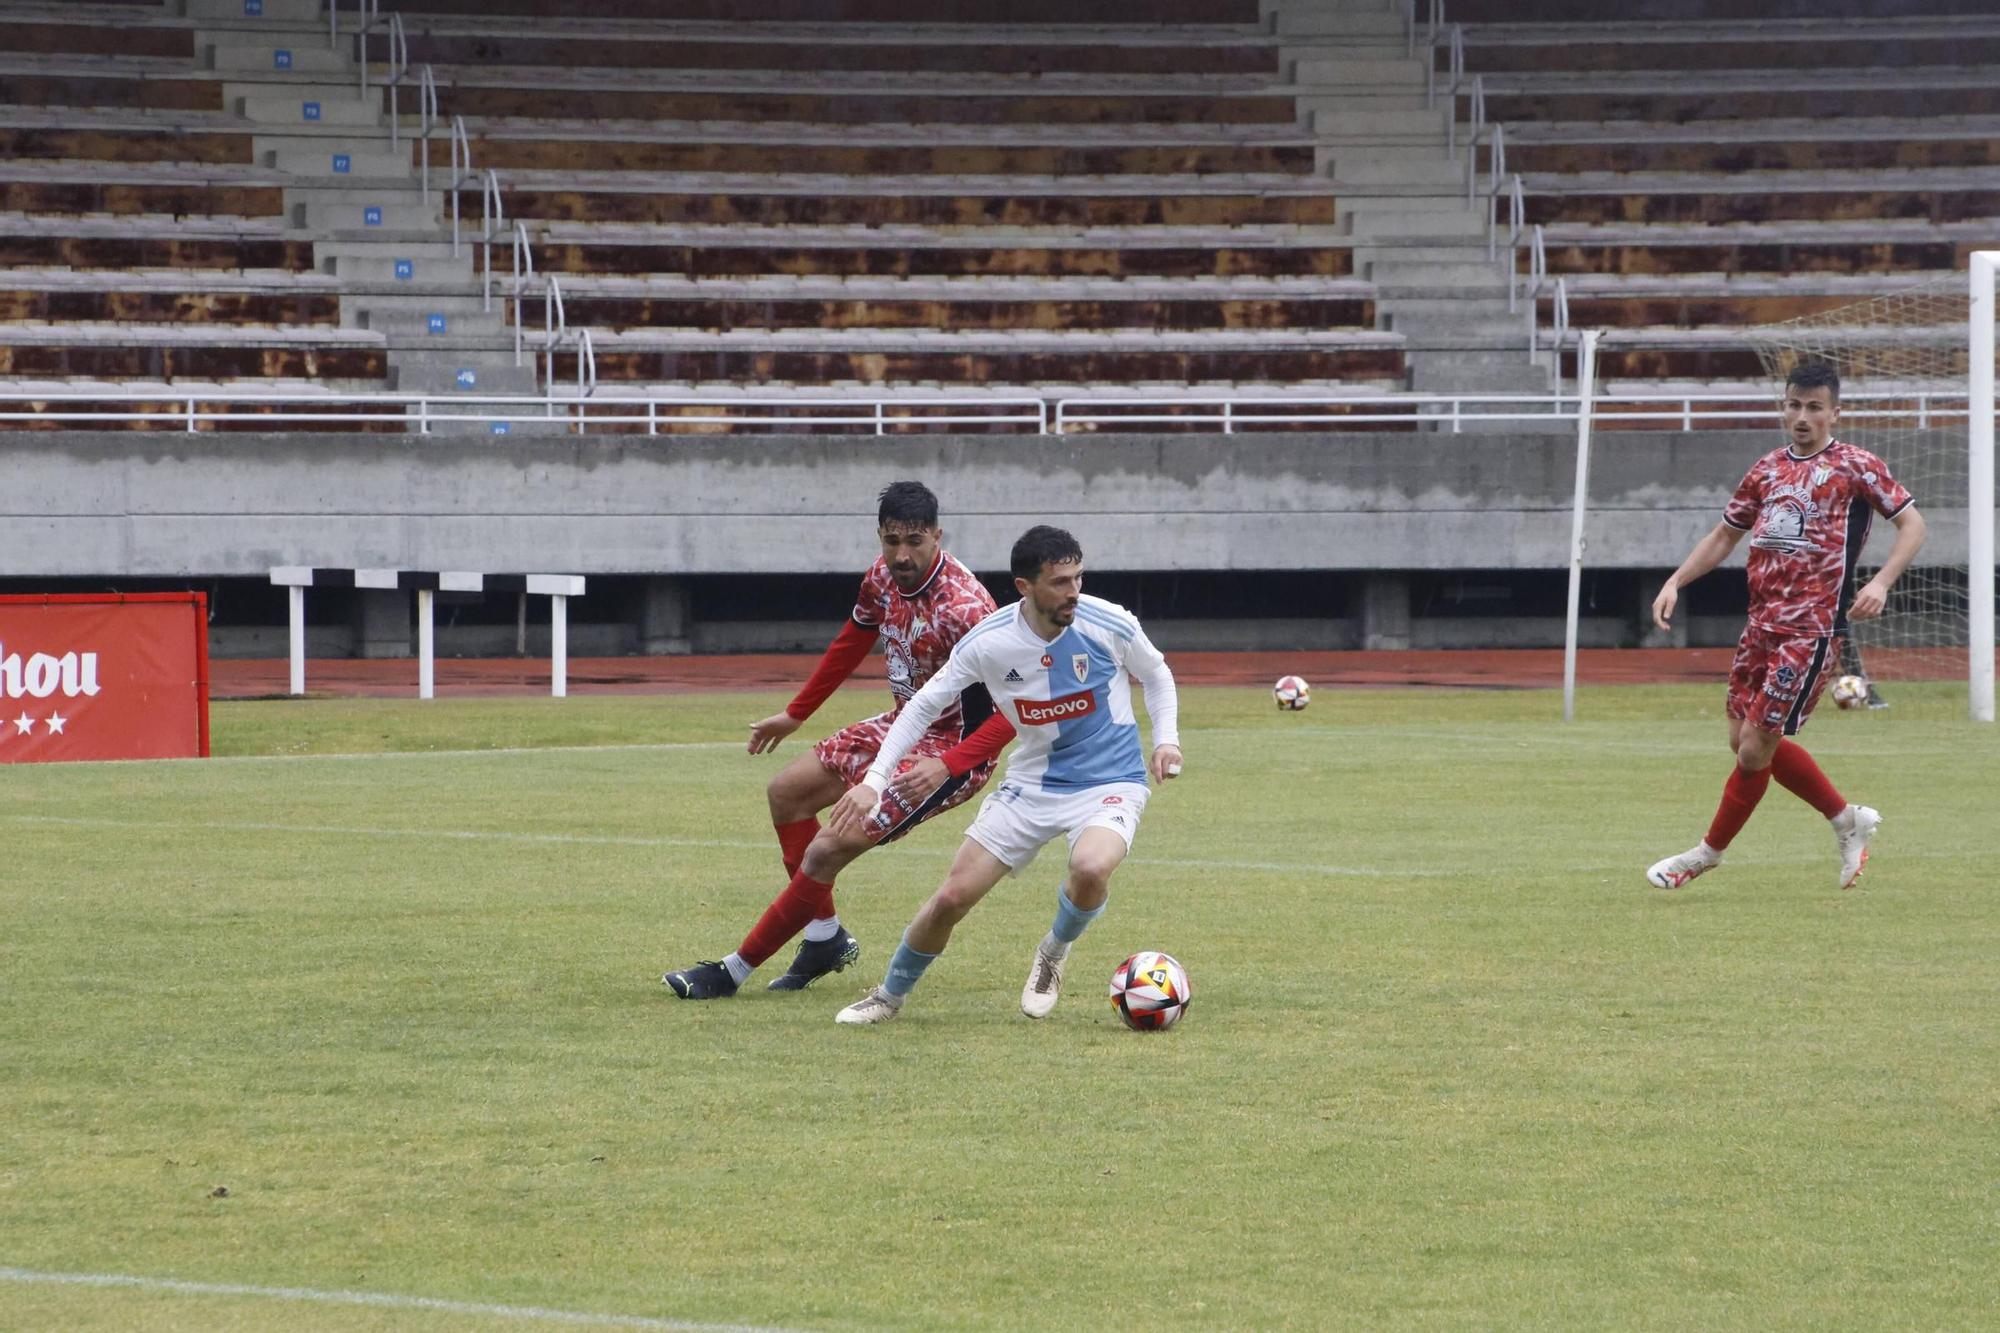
{"x":1016,"y":821}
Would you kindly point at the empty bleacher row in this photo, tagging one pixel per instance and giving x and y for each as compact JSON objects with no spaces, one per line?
{"x":880,"y":196}
{"x":1745,"y":165}
{"x":1030,"y":230}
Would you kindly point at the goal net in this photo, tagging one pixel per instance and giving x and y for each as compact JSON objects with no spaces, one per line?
{"x":1903,"y":360}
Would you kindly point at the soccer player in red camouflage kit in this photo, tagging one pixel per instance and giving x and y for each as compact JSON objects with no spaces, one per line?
{"x":1808,"y":508}
{"x":920,"y":601}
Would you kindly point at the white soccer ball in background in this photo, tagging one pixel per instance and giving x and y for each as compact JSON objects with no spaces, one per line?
{"x":1292,"y":692}
{"x":1850,"y":691}
{"x":1150,"y":991}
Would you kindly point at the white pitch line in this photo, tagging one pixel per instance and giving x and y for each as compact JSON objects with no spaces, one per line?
{"x":613,"y":840}
{"x":383,"y":1300}
{"x":936,"y":852}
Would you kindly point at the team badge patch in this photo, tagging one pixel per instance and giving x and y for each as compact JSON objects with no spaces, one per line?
{"x":1821,"y":475}
{"x":1080,"y":663}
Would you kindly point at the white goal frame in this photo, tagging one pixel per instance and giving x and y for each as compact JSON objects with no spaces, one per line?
{"x":1979,"y":495}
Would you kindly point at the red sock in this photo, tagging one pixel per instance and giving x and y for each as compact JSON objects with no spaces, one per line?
{"x":1796,"y":771}
{"x":1739,"y":797}
{"x":793,"y":839}
{"x":803,"y":900}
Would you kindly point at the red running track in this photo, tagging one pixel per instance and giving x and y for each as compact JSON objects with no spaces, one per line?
{"x":476,"y":678}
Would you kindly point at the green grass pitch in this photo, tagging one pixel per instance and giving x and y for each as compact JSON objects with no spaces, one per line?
{"x":1450,"y":1063}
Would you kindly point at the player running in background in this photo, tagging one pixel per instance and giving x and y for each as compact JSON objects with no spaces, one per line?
{"x":1808,"y":506}
{"x":1062,"y":665}
{"x":920,"y":602}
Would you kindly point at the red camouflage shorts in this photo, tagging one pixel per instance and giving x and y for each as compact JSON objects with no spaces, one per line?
{"x":848,"y":753}
{"x":1777,"y":678}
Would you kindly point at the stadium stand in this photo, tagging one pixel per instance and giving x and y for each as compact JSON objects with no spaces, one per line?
{"x":1694,"y":168}
{"x":1024,"y":199}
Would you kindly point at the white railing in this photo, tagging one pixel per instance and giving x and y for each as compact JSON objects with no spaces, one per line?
{"x":555,"y":325}
{"x":399,"y":70}
{"x":524,"y":278}
{"x":1753,"y":406}
{"x":1558,"y":322}
{"x":427,"y":119}
{"x":1454,"y":40}
{"x":461,"y":171}
{"x":1517,"y":212}
{"x":492,"y":225}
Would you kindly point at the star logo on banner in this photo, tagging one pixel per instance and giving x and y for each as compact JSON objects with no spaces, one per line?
{"x":24,"y":725}
{"x":56,"y":723}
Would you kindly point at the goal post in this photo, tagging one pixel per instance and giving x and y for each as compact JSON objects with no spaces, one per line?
{"x":1979,"y":485}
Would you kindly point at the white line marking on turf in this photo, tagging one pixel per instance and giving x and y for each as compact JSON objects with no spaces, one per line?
{"x":385,"y":1300}
{"x":933,"y":853}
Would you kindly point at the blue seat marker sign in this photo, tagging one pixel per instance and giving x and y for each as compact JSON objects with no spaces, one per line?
{"x":502,"y":427}
{"x":312,"y":110}
{"x":343,"y":164}
{"x":371,"y":216}
{"x":435,"y":323}
{"x":253,"y":9}
{"x":281,"y":60}
{"x":405,"y":269}
{"x":468,"y":378}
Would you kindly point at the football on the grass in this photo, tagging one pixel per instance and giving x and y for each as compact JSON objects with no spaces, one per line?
{"x":1292,"y":692}
{"x":1850,"y":691}
{"x":1150,"y":991}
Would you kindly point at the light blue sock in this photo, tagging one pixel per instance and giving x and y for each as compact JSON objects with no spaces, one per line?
{"x":905,"y":969}
{"x":1070,"y":923}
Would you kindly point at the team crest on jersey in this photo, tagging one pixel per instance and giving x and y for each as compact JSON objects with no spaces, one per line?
{"x":1782,"y":528}
{"x":1821,"y":475}
{"x":1080,"y":663}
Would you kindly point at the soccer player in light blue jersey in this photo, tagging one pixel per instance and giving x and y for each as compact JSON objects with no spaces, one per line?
{"x":1059,"y":665}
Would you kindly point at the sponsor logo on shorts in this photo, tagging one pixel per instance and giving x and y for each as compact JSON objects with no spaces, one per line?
{"x":1114,"y":800}
{"x":1785,"y":675}
{"x":1041,"y":712}
{"x":1775,"y":717}
{"x":1119,"y":820}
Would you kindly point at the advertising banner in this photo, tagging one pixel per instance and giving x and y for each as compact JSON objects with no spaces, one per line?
{"x":103,"y":676}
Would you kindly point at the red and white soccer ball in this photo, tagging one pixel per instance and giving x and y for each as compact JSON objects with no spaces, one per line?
{"x":1850,"y":691}
{"x":1292,"y":692}
{"x":1150,"y":991}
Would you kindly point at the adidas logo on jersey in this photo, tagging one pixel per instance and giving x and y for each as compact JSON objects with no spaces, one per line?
{"x":1012,"y":677}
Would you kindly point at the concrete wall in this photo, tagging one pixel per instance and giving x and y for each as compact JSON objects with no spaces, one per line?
{"x":98,"y":504}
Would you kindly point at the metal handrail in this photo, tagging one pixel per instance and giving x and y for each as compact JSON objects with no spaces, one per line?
{"x":1455,"y":64}
{"x":586,"y":374}
{"x":1684,"y":408}
{"x":461,"y":169}
{"x":1517,"y":213}
{"x":524,"y":277}
{"x":427,"y":118}
{"x":492,"y":223}
{"x":399,"y":70}
{"x":1475,"y":92}
{"x":368,"y":13}
{"x":555,"y":326}
{"x":1538,"y":267}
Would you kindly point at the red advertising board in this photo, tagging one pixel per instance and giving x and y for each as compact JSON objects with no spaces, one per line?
{"x":103,"y":676}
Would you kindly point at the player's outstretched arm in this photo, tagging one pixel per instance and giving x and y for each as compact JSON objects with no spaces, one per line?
{"x":1148,"y":665}
{"x":846,"y":652}
{"x":1910,"y":530}
{"x":1709,"y":552}
{"x":925,"y":707}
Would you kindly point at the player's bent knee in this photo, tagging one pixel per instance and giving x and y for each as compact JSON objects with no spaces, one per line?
{"x":829,"y":853}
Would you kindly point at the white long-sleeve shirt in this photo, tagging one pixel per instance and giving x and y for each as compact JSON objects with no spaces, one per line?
{"x":1070,"y":698}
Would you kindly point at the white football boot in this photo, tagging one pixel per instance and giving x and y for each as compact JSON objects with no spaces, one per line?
{"x":1678,"y":870}
{"x":877,"y":1006}
{"x":1044,"y":988}
{"x":1852,"y":830}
